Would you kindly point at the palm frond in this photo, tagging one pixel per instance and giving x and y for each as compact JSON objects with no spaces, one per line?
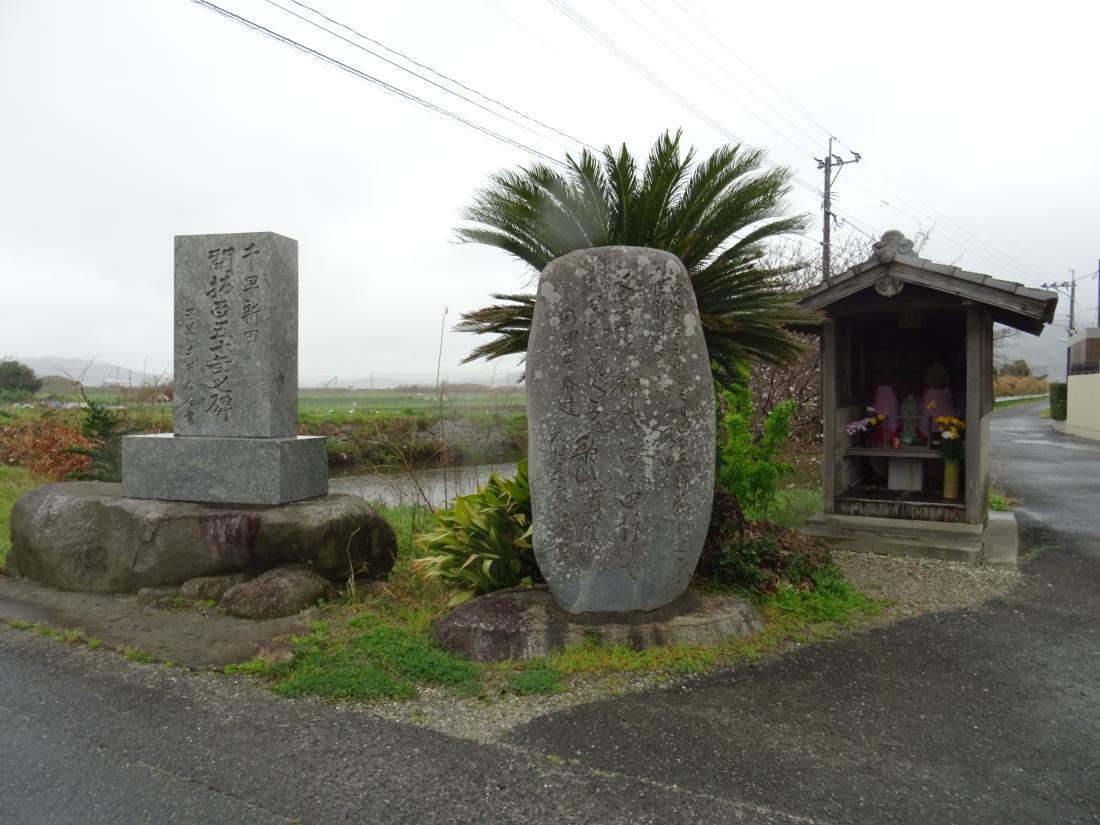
{"x":715,"y":215}
{"x":510,"y":322}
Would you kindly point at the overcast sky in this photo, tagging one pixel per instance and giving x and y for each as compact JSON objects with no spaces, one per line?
{"x":125,"y":123}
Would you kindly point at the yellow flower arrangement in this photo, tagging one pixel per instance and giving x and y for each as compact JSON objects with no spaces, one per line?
{"x":952,"y":432}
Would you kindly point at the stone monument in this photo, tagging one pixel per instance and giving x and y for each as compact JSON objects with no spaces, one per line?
{"x":232,"y":490}
{"x":235,"y":412}
{"x":621,"y":429}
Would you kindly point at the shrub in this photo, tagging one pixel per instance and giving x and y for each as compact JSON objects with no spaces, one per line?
{"x":484,"y":542}
{"x":39,"y":445}
{"x":1018,"y":385}
{"x":103,"y":430}
{"x":1059,"y":400}
{"x":749,"y":466}
{"x":16,"y":376}
{"x":757,"y":555}
{"x":14,"y":396}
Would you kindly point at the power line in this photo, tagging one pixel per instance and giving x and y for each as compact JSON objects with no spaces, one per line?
{"x":993,"y":256}
{"x":976,"y":245}
{"x":707,"y":77}
{"x":403,"y":68}
{"x":424,"y":66}
{"x":945,"y":217}
{"x":387,"y":87}
{"x":769,"y":84}
{"x":709,"y":31}
{"x":624,"y":56}
{"x":520,"y":25}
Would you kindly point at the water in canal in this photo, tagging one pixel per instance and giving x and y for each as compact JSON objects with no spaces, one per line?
{"x":439,"y":486}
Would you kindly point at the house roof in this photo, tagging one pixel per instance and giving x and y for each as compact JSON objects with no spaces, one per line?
{"x":893,"y":264}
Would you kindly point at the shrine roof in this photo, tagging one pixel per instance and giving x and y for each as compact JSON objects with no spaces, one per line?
{"x":894,"y":264}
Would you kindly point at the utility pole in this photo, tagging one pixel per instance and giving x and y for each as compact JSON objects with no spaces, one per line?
{"x":827,"y":164}
{"x":1071,"y":285}
{"x":1072,"y":301}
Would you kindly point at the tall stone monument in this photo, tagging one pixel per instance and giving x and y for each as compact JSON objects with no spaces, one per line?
{"x":621,"y":427}
{"x":235,"y":413}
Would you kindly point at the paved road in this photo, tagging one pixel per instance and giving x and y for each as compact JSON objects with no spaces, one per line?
{"x":983,"y":716}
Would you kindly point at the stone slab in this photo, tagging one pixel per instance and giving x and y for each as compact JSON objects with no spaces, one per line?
{"x":906,"y":474}
{"x":621,"y":429}
{"x":236,"y":335}
{"x":225,"y":470}
{"x":525,"y":623}
{"x":900,"y":537}
{"x":1001,"y":541}
{"x":89,"y":536}
{"x":192,"y":638}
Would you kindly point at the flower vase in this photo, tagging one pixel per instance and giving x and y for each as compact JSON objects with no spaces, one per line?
{"x":950,"y":478}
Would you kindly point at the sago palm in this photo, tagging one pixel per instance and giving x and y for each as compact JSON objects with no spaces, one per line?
{"x":715,"y":216}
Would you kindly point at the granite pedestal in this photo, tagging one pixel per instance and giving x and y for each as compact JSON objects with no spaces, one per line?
{"x":225,"y":469}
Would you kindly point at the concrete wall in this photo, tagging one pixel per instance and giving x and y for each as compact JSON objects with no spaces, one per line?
{"x":1083,"y":415}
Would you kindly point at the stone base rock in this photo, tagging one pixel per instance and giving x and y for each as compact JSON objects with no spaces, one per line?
{"x":87,"y":536}
{"x":524,"y":623}
{"x":280,"y":592}
{"x":211,"y":587}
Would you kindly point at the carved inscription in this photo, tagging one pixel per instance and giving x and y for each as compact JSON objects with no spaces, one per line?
{"x":236,"y":335}
{"x":234,"y":314}
{"x":621,"y":428}
{"x":187,"y":380}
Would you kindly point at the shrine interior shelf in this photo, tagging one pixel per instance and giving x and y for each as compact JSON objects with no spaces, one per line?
{"x":895,"y":452}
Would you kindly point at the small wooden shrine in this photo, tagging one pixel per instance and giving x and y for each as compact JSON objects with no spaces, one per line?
{"x":907,"y":389}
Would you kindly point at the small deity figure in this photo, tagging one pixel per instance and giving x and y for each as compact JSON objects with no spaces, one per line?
{"x":909,"y":413}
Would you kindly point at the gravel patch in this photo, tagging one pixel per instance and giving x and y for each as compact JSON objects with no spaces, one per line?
{"x":913,"y":586}
{"x":920,"y":586}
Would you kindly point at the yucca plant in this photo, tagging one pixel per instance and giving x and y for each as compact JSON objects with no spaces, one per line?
{"x":716,"y":216}
{"x":483,"y":543}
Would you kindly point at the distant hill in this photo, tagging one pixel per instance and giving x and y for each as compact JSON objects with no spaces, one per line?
{"x":89,"y":373}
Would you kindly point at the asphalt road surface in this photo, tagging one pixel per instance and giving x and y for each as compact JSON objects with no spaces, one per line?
{"x":984,"y":716}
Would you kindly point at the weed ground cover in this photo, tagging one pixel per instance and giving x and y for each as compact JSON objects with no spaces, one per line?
{"x":379,"y":646}
{"x":14,"y":481}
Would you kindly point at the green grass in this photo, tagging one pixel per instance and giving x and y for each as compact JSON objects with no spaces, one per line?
{"x":792,"y":507}
{"x":316,"y":406}
{"x":370,"y":659}
{"x":365,"y":656}
{"x":350,"y":405}
{"x":999,"y":501}
{"x":536,"y":680}
{"x":380,"y":647}
{"x":14,"y":481}
{"x":1013,"y":402}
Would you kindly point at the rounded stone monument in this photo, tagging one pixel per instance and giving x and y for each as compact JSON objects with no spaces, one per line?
{"x":621,"y":426}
